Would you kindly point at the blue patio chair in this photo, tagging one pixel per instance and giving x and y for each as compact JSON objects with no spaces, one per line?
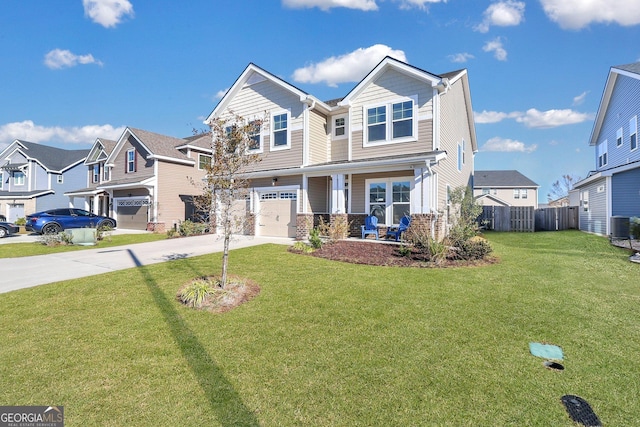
{"x":397,"y":231}
{"x":370,"y":226}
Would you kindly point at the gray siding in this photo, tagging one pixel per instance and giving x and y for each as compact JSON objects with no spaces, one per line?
{"x":625,"y":197}
{"x":624,"y":104}
{"x":594,"y":220}
{"x":318,"y":138}
{"x":319,"y":189}
{"x":144,"y":168}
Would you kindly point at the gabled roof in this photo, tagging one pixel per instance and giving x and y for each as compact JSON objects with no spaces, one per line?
{"x":501,"y":178}
{"x":100,"y":150}
{"x":254,"y":74}
{"x":627,"y":70}
{"x":52,"y":159}
{"x":157,"y":146}
{"x":492,"y":197}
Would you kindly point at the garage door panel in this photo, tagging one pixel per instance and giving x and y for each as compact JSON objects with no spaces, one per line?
{"x":277,"y":218}
{"x":132,"y":217}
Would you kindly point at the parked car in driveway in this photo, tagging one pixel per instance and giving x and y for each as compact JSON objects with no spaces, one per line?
{"x":56,"y":220}
{"x":7,"y":229}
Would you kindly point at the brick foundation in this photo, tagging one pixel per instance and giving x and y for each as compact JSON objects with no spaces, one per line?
{"x":156,"y":227}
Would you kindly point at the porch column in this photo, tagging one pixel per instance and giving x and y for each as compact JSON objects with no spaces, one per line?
{"x":337,"y":194}
{"x":95,"y":208}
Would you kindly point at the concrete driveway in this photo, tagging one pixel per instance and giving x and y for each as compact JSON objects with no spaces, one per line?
{"x":25,"y":272}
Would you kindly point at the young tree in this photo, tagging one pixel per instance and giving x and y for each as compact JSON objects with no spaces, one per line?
{"x":466,"y":213}
{"x":561,"y":187}
{"x":232,"y":139}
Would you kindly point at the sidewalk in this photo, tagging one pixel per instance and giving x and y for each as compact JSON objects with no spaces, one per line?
{"x":25,"y":272}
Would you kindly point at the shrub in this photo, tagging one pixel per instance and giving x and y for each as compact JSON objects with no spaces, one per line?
{"x":195,"y":293}
{"x":60,"y":239}
{"x":20,"y":221}
{"x":314,"y":238}
{"x":466,"y":213}
{"x":190,"y":228}
{"x":473,"y":249}
{"x":104,"y":231}
{"x":301,"y":247}
{"x":336,"y":230}
{"x":419,"y":236}
{"x":634,"y":227}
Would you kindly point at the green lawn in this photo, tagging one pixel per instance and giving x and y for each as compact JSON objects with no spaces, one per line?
{"x":13,"y":250}
{"x":333,"y":344}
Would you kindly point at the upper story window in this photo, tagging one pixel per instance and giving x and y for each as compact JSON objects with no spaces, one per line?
{"x":106,"y":173}
{"x":395,"y":127}
{"x":95,"y":173}
{"x":516,"y":193}
{"x":460,"y":156}
{"x":280,"y":136}
{"x":60,"y":179}
{"x":523,"y":193}
{"x":255,"y":141}
{"x":633,"y":132}
{"x":619,"y":137}
{"x":339,"y":127}
{"x":131,"y":160}
{"x":204,"y":160}
{"x":602,"y":153}
{"x":18,"y":178}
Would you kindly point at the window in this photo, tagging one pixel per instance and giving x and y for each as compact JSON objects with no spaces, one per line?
{"x":131,"y":160}
{"x":633,"y":133}
{"x":280,"y":137}
{"x":106,"y":172}
{"x":523,"y":193}
{"x":486,"y":191}
{"x":340,"y":127}
{"x":584,"y":199}
{"x":389,"y":200}
{"x":95,"y":175}
{"x":60,"y":179}
{"x":397,"y":126}
{"x":1,"y":180}
{"x":619,"y":138}
{"x":459,"y":157}
{"x":18,"y":178}
{"x":377,"y":124}
{"x":402,"y":119}
{"x":254,"y":136}
{"x":204,"y":160}
{"x":516,"y":193}
{"x":602,"y":154}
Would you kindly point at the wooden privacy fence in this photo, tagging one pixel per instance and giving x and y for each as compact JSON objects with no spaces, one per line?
{"x":528,"y":219}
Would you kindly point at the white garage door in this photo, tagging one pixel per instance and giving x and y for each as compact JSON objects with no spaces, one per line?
{"x":277,"y":216}
{"x":15,"y":211}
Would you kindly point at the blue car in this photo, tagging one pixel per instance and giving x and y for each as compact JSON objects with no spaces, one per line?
{"x":55,"y":220}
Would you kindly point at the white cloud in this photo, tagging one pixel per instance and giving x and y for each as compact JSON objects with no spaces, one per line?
{"x":579,"y":100}
{"x":460,"y":57}
{"x":495,"y":46}
{"x":577,"y":14}
{"x":59,"y":58}
{"x":533,"y":118}
{"x":507,"y":145}
{"x":502,"y":14}
{"x":107,"y":13}
{"x":419,"y":4}
{"x":351,"y":67}
{"x":325,"y":5}
{"x":27,"y":130}
{"x":221,"y":93}
{"x":552,"y":118}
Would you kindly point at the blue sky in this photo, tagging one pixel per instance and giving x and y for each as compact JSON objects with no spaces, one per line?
{"x":75,"y":70}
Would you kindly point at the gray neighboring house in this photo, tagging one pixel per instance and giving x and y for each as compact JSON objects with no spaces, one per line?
{"x":613,"y":188}
{"x":34,"y":177}
{"x":504,"y":188}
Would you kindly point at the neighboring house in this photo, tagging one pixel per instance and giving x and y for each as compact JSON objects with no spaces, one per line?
{"x":504,"y":188}
{"x":34,"y":177}
{"x":395,"y":145}
{"x":144,"y":180}
{"x":613,"y":189}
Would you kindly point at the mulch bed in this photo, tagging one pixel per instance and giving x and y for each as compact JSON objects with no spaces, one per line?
{"x":383,"y":254}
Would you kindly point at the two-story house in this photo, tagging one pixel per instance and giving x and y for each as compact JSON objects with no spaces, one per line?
{"x":613,"y":188}
{"x":504,"y":188}
{"x":395,"y":145}
{"x":34,"y":177}
{"x":144,"y":180}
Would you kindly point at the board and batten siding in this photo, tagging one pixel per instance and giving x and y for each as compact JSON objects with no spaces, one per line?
{"x":624,"y":104}
{"x":173,"y":180}
{"x":625,"y":194}
{"x":594,"y":220}
{"x":454,"y":129}
{"x":261,"y":100}
{"x":392,"y":86}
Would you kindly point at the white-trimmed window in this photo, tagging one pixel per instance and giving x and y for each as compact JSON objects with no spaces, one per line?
{"x":391,"y":122}
{"x":460,"y":156}
{"x":633,"y":133}
{"x":339,"y":127}
{"x":60,"y":179}
{"x":388,"y":199}
{"x":95,"y":173}
{"x":18,"y":178}
{"x":602,"y":154}
{"x":281,"y":131}
{"x":523,"y":193}
{"x":516,"y":193}
{"x":204,"y":160}
{"x":106,"y":173}
{"x":131,"y":160}
{"x":584,"y":200}
{"x":255,"y":137}
{"x":619,"y":139}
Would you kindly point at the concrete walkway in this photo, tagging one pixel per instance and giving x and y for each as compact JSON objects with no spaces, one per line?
{"x":25,"y":272}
